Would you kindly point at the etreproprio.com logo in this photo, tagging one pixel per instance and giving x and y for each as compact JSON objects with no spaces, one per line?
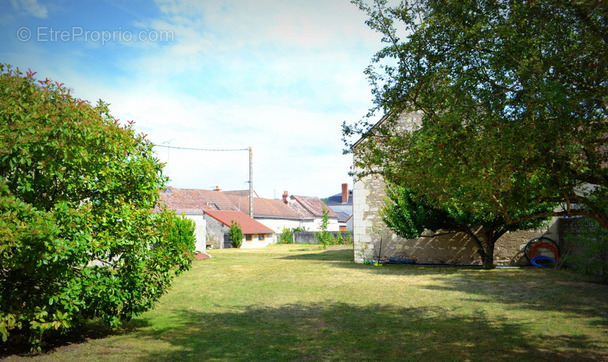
{"x":80,"y":34}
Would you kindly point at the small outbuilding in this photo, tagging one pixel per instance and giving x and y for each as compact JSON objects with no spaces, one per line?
{"x":255,"y":235}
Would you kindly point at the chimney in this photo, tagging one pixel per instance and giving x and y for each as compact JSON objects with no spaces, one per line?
{"x":217,"y":188}
{"x":344,"y":193}
{"x":285,"y":195}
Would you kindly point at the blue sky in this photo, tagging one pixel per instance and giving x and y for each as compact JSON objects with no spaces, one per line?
{"x":277,"y":76}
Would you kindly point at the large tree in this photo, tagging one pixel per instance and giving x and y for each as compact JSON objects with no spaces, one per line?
{"x":78,"y":235}
{"x":513,"y":96}
{"x":410,"y":216}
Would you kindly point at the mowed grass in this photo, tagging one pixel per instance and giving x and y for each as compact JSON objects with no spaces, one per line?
{"x":299,"y":302}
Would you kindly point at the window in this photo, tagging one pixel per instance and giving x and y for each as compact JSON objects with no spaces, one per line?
{"x":247,"y":237}
{"x":260,"y":237}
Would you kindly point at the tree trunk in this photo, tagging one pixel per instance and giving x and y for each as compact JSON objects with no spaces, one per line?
{"x":488,"y":257}
{"x":485,"y":248}
{"x":490,"y":240}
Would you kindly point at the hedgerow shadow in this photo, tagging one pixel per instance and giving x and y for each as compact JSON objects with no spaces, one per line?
{"x":340,"y":331}
{"x":77,"y":336}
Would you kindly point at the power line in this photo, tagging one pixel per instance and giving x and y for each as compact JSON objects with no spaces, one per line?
{"x":204,"y":149}
{"x":226,"y":150}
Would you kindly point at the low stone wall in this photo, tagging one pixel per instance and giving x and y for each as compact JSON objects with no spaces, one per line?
{"x":452,"y":249}
{"x":372,"y":238}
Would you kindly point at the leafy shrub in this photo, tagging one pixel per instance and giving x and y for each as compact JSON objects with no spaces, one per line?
{"x":592,"y":240}
{"x":349,"y":238}
{"x":78,"y":237}
{"x":235,"y":234}
{"x":325,"y":237}
{"x":183,"y":232}
{"x":339,"y":238}
{"x":286,"y":236}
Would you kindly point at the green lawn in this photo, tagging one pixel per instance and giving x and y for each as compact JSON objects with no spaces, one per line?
{"x":299,"y":302}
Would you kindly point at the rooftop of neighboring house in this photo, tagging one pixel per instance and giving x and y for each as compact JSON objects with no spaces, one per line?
{"x":195,"y":201}
{"x":343,"y":198}
{"x":278,"y":209}
{"x":314,"y":205}
{"x":247,"y":224}
{"x":343,"y":217}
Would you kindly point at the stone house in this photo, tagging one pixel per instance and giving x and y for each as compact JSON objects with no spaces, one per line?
{"x":372,"y":237}
{"x":255,"y":235}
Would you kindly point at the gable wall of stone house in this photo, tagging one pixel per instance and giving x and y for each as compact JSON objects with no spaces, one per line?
{"x":215,"y":232}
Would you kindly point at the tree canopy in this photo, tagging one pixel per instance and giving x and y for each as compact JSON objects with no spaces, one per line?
{"x":513,"y":99}
{"x":78,"y":235}
{"x":409,"y":216}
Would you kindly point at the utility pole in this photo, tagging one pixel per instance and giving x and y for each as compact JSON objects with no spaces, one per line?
{"x":250,"y":183}
{"x":219,"y":150}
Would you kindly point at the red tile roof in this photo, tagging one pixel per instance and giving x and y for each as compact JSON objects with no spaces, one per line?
{"x":248,"y":225}
{"x":195,"y":201}
{"x":314,"y":205}
{"x":277,"y":209}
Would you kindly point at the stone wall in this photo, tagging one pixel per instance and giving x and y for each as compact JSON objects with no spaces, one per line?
{"x":372,"y":238}
{"x":215,"y":232}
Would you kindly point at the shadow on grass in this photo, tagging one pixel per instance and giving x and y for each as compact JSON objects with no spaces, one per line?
{"x":336,"y":254}
{"x":344,"y":258}
{"x":529,"y":288}
{"x":90,"y":330}
{"x":350,"y":332}
{"x":533,"y":289}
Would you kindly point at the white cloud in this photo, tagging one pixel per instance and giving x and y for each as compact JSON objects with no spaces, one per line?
{"x":277,"y":76}
{"x":32,"y":7}
{"x":296,"y":150}
{"x":286,"y":75}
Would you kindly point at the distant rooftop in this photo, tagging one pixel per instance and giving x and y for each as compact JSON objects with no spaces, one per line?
{"x":337,"y":199}
{"x":195,"y":201}
{"x":248,"y":225}
{"x":314,"y":205}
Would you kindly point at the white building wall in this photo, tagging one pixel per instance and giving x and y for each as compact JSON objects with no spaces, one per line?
{"x":315,"y":225}
{"x":308,"y":225}
{"x":269,"y":239}
{"x":200,"y":231}
{"x":278,"y":224}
